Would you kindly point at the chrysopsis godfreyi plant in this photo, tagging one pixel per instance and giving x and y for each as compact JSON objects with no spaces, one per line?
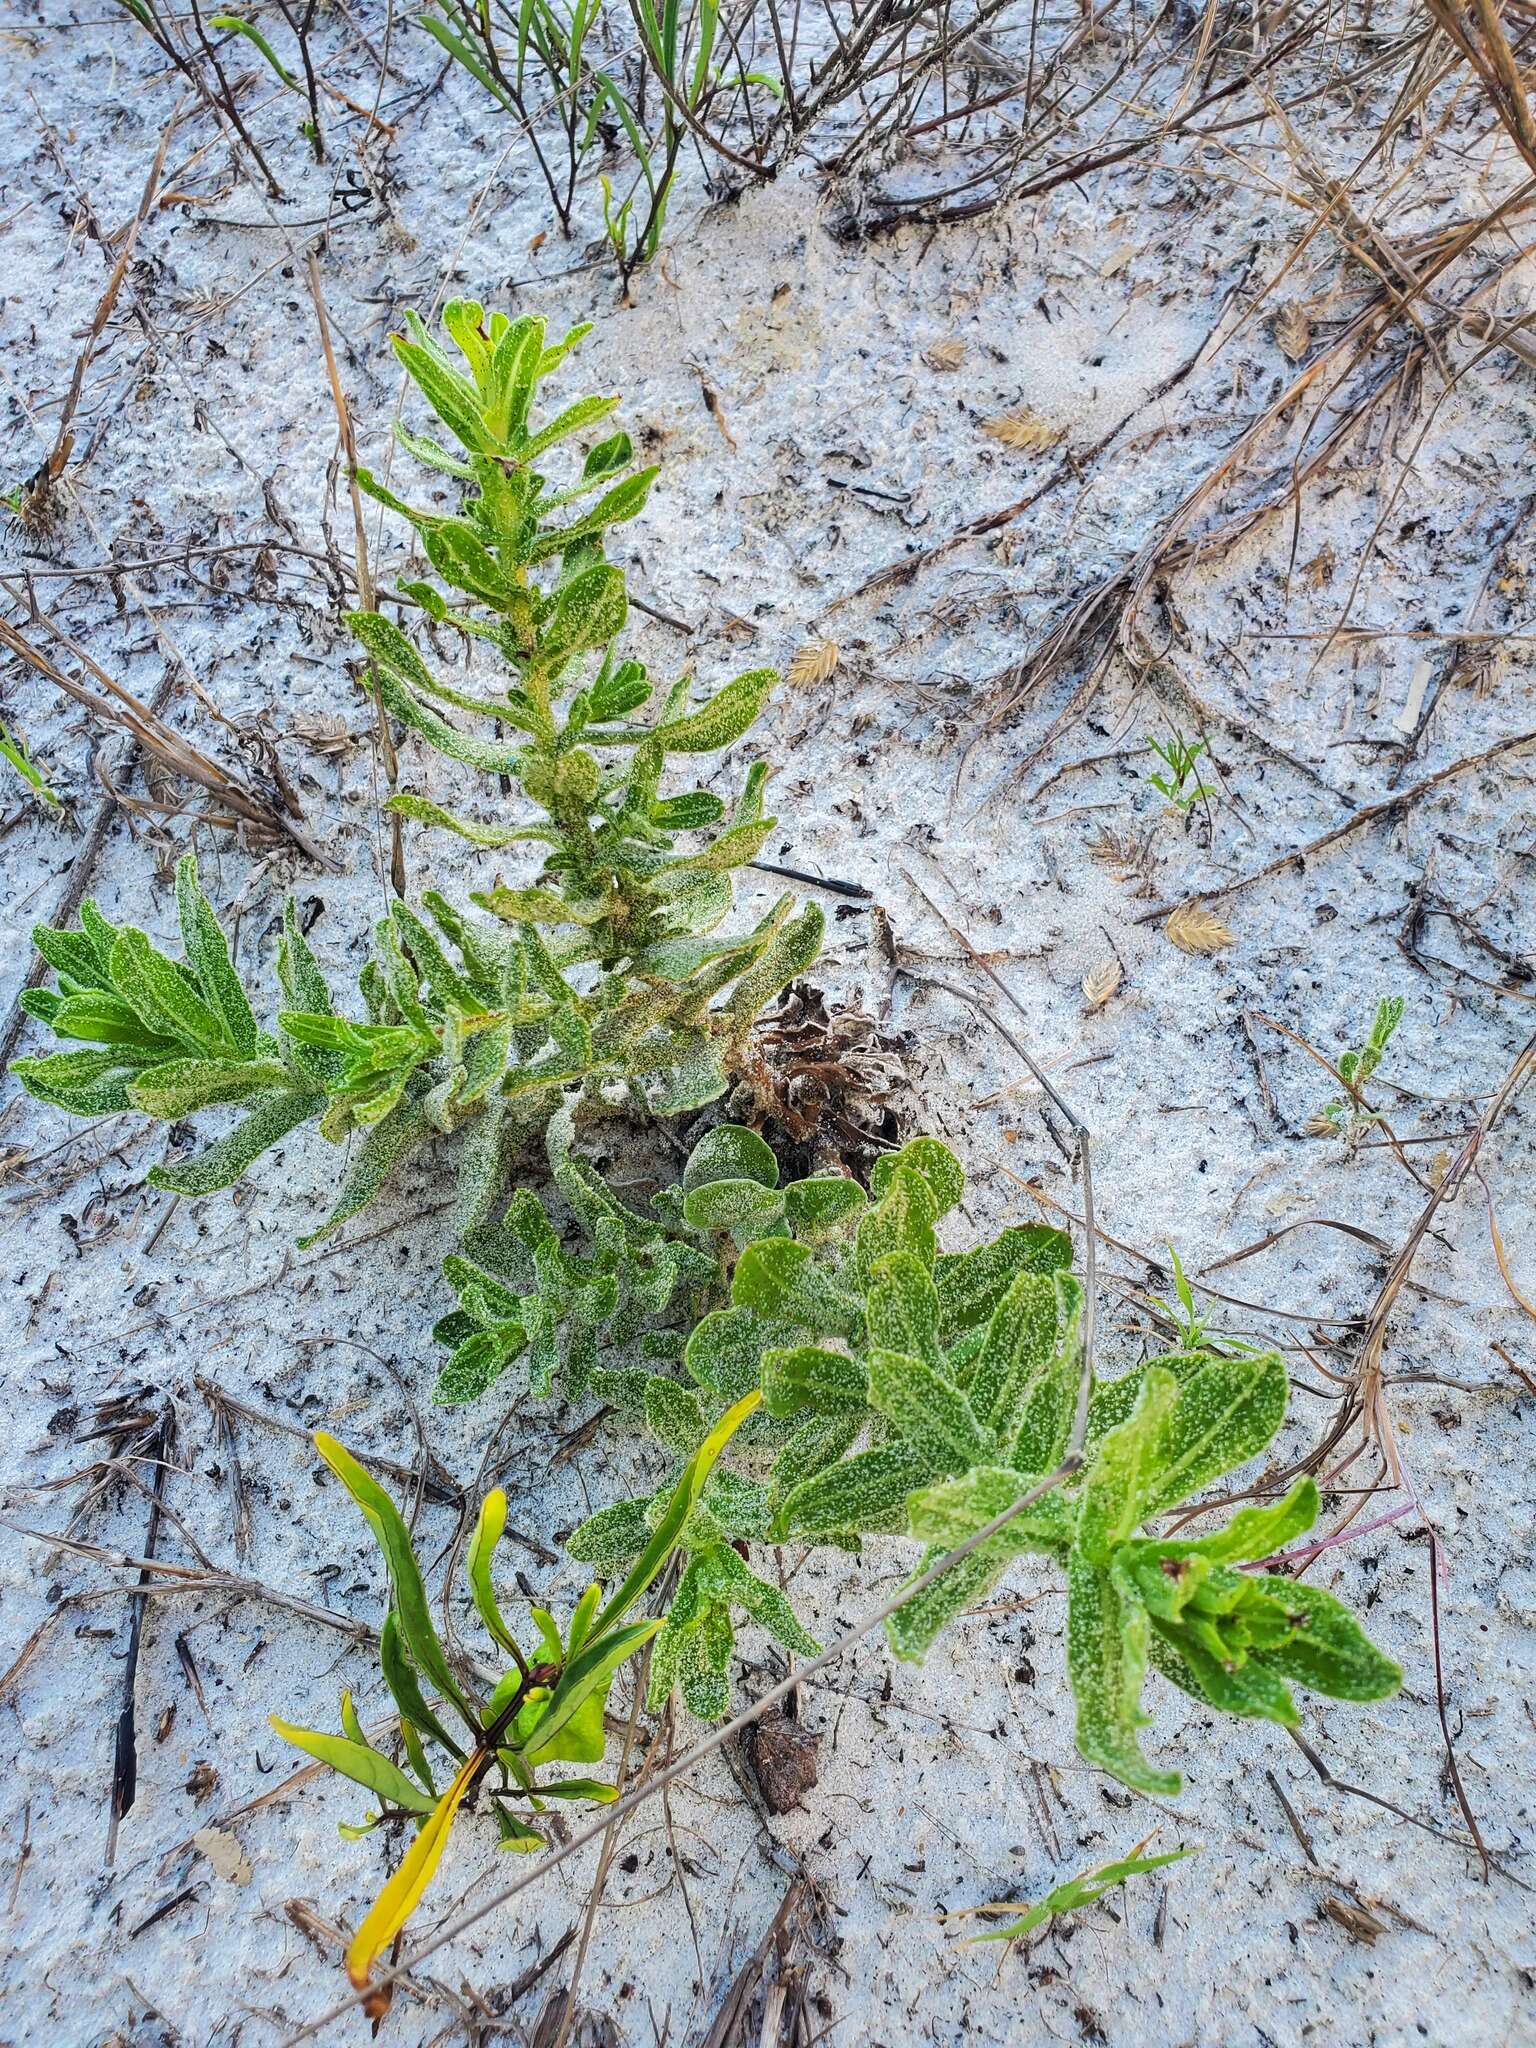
{"x":547,"y":1708}
{"x":605,"y":970}
{"x":927,"y":1393}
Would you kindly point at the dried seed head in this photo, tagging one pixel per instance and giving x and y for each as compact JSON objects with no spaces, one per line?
{"x":1292,"y":329}
{"x":813,"y":662}
{"x":1021,"y":427}
{"x":1194,"y":929}
{"x":1101,"y":983}
{"x":945,"y":355}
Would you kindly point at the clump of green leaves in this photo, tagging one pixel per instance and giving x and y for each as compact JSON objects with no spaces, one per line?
{"x":604,"y":972}
{"x":1180,"y":788}
{"x":907,"y":1390}
{"x":1350,"y":1116}
{"x":547,"y":1709}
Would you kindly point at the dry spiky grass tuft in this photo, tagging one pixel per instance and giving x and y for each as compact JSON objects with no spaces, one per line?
{"x":1021,"y":428}
{"x":1292,"y":329}
{"x":1194,"y":929}
{"x":948,"y":354}
{"x":1100,"y":984}
{"x":813,"y":662}
{"x":1128,"y":856}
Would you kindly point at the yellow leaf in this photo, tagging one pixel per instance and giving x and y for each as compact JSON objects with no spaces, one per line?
{"x":404,"y":1891}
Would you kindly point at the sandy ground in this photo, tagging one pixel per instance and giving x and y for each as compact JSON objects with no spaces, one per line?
{"x":835,"y":449}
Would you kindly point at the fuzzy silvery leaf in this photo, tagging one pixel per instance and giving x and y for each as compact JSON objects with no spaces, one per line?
{"x":690,"y":812}
{"x":901,"y":1308}
{"x":912,"y":1630}
{"x":803,"y":1377}
{"x":815,"y":1447}
{"x":1259,"y":1532}
{"x":1252,"y":1690}
{"x":694,"y":1075}
{"x":971,"y":1284}
{"x":696,"y":899}
{"x":612,"y":1539}
{"x":732,"y":711}
{"x":817,"y":1207}
{"x":743,"y":1206}
{"x":953,"y":1510}
{"x":739,"y":1505}
{"x":730,"y":1152}
{"x":175,"y":1088}
{"x":934,"y":1161}
{"x":674,"y":1416}
{"x":729,"y":1581}
{"x":1107,"y":1650}
{"x":1033,"y":1413}
{"x":1324,"y":1647}
{"x":84,"y":1083}
{"x":1113,"y":1401}
{"x":780,"y":1279}
{"x":382,"y":1149}
{"x":477,"y":1363}
{"x":446,"y":739}
{"x":791,"y":952}
{"x":864,"y":1493}
{"x":926,"y":1410}
{"x":207,"y":952}
{"x":901,"y":1221}
{"x":221,"y":1164}
{"x":725,"y":1347}
{"x":1126,"y":1470}
{"x":1015,"y":1346}
{"x":165,"y":995}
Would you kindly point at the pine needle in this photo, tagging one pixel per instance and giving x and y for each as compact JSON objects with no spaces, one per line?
{"x":1194,"y":929}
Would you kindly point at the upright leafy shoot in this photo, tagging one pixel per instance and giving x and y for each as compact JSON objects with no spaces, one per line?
{"x":604,"y":971}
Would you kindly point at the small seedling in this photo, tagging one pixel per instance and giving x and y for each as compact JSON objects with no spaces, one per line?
{"x":26,"y":767}
{"x":1350,"y":1115}
{"x":1181,"y":788}
{"x":546,"y":1709}
{"x":1076,"y":1893}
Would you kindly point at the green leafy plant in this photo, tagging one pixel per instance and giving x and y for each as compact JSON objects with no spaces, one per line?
{"x":1181,"y":788}
{"x":1350,"y":1115}
{"x":546,"y":1709}
{"x":603,"y":973}
{"x":907,"y":1390}
{"x":1075,"y":1893}
{"x":26,"y":767}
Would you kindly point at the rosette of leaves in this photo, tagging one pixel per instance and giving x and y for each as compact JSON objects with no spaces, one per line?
{"x":523,"y":566}
{"x":546,"y":1709}
{"x":1235,"y":1639}
{"x":815,"y":1259}
{"x":522,"y":1292}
